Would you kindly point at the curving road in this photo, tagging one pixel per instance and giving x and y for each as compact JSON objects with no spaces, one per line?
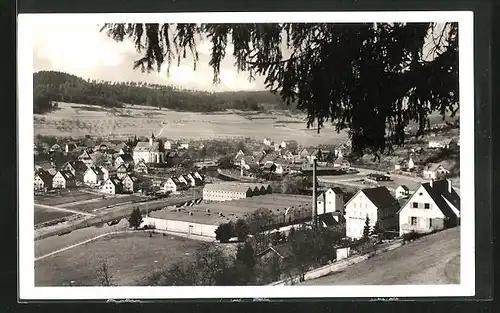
{"x":434,"y":259}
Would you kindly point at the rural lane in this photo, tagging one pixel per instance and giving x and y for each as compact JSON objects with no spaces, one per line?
{"x":434,"y":259}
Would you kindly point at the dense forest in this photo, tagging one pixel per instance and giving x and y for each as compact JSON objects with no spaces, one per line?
{"x":52,"y":86}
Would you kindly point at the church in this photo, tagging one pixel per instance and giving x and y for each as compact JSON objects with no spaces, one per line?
{"x":151,"y":151}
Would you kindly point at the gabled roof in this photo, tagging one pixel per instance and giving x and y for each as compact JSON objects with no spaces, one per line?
{"x":45,"y":165}
{"x":336,"y":190}
{"x":439,"y":192}
{"x":127,"y":158}
{"x":144,"y":146}
{"x":46,"y":177}
{"x":315,"y":152}
{"x":433,"y":166}
{"x":248,"y":159}
{"x":66,"y":174}
{"x":405,"y":188}
{"x":328,"y":219}
{"x":269,"y":165}
{"x":115,"y":181}
{"x":379,"y":196}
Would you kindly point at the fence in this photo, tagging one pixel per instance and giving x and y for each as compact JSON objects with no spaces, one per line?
{"x":339,"y":265}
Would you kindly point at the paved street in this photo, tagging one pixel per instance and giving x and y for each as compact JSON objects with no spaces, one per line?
{"x":434,"y":259}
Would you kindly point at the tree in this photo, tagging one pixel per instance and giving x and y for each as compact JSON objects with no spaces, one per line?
{"x":293,"y":184}
{"x":103,"y":276}
{"x":135,"y":218}
{"x":368,"y":77}
{"x":224,"y":232}
{"x":241,"y":229}
{"x":366,"y":228}
{"x":211,"y":266}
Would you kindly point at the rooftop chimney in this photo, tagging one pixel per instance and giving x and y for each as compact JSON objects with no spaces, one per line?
{"x":431,"y":183}
{"x":449,"y":185}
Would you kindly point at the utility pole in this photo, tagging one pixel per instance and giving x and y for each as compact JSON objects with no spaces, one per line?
{"x":315,"y":203}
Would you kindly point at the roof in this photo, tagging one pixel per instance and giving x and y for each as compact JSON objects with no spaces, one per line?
{"x":45,"y":165}
{"x":46,"y":177}
{"x":66,"y":174}
{"x":433,"y":166}
{"x":248,"y":159}
{"x":176,"y":180}
{"x":79,"y":166}
{"x":379,"y":196}
{"x":229,"y":186}
{"x":269,"y":165}
{"x":144,"y":146}
{"x":439,"y":192}
{"x":404,"y":187}
{"x":315,"y":152}
{"x":126,"y":158}
{"x":328,"y":219}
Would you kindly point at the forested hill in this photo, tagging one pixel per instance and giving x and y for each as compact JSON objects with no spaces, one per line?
{"x":51,"y":86}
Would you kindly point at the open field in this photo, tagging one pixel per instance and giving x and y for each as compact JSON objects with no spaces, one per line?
{"x":43,"y":215}
{"x":434,"y":259}
{"x":144,"y":255}
{"x":77,"y":119}
{"x":64,"y":197}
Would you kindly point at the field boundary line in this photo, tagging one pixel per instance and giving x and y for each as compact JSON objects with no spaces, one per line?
{"x":82,"y":243}
{"x":63,"y":209}
{"x":183,"y":235}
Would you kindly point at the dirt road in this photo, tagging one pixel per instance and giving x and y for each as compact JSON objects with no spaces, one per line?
{"x":62,"y":209}
{"x":434,"y":259}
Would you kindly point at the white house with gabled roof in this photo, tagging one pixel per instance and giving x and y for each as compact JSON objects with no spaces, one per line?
{"x":435,"y":205}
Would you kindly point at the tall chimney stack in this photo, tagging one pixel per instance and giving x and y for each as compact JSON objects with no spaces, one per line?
{"x":431,"y":183}
{"x":449,"y":185}
{"x":315,"y":204}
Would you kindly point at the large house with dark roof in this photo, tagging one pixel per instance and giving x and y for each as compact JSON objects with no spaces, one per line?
{"x":151,"y":151}
{"x":63,"y":179}
{"x":375,"y":203}
{"x":434,"y":206}
{"x":43,"y":181}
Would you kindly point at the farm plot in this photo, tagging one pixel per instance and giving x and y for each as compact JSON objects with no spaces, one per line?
{"x":144,"y":255}
{"x":43,"y":215}
{"x":64,"y":197}
{"x":103,"y":203}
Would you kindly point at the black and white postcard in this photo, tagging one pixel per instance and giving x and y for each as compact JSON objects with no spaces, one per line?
{"x":236,"y":155}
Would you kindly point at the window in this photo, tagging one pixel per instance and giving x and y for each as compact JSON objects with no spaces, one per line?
{"x":430,"y":222}
{"x":427,"y":205}
{"x":366,"y":205}
{"x":354,"y":204}
{"x":420,"y":193}
{"x":414,"y":205}
{"x":413,"y":221}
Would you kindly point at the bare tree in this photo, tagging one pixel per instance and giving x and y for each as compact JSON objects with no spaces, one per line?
{"x":103,"y":275}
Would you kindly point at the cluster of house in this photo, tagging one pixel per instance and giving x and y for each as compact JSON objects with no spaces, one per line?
{"x":182,"y":182}
{"x":113,"y":168}
{"x":286,"y":157}
{"x":435,"y":205}
{"x":429,"y":170}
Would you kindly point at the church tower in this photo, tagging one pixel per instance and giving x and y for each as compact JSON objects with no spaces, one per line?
{"x":152,"y":139}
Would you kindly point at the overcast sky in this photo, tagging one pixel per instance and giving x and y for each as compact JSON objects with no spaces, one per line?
{"x":82,"y":50}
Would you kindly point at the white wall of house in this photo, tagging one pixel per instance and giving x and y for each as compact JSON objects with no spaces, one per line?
{"x":128,"y":184}
{"x":401,"y":192}
{"x":419,"y":212}
{"x":330,"y":203}
{"x":181,"y":226}
{"x":355,"y":213}
{"x":39,"y":184}
{"x":90,"y":177}
{"x":108,"y":187}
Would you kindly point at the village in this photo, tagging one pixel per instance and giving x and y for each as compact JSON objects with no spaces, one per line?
{"x":190,"y":194}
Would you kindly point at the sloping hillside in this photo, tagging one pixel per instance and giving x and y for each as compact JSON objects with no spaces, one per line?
{"x":64,"y":87}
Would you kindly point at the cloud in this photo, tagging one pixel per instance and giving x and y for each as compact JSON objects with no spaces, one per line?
{"x":82,"y":50}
